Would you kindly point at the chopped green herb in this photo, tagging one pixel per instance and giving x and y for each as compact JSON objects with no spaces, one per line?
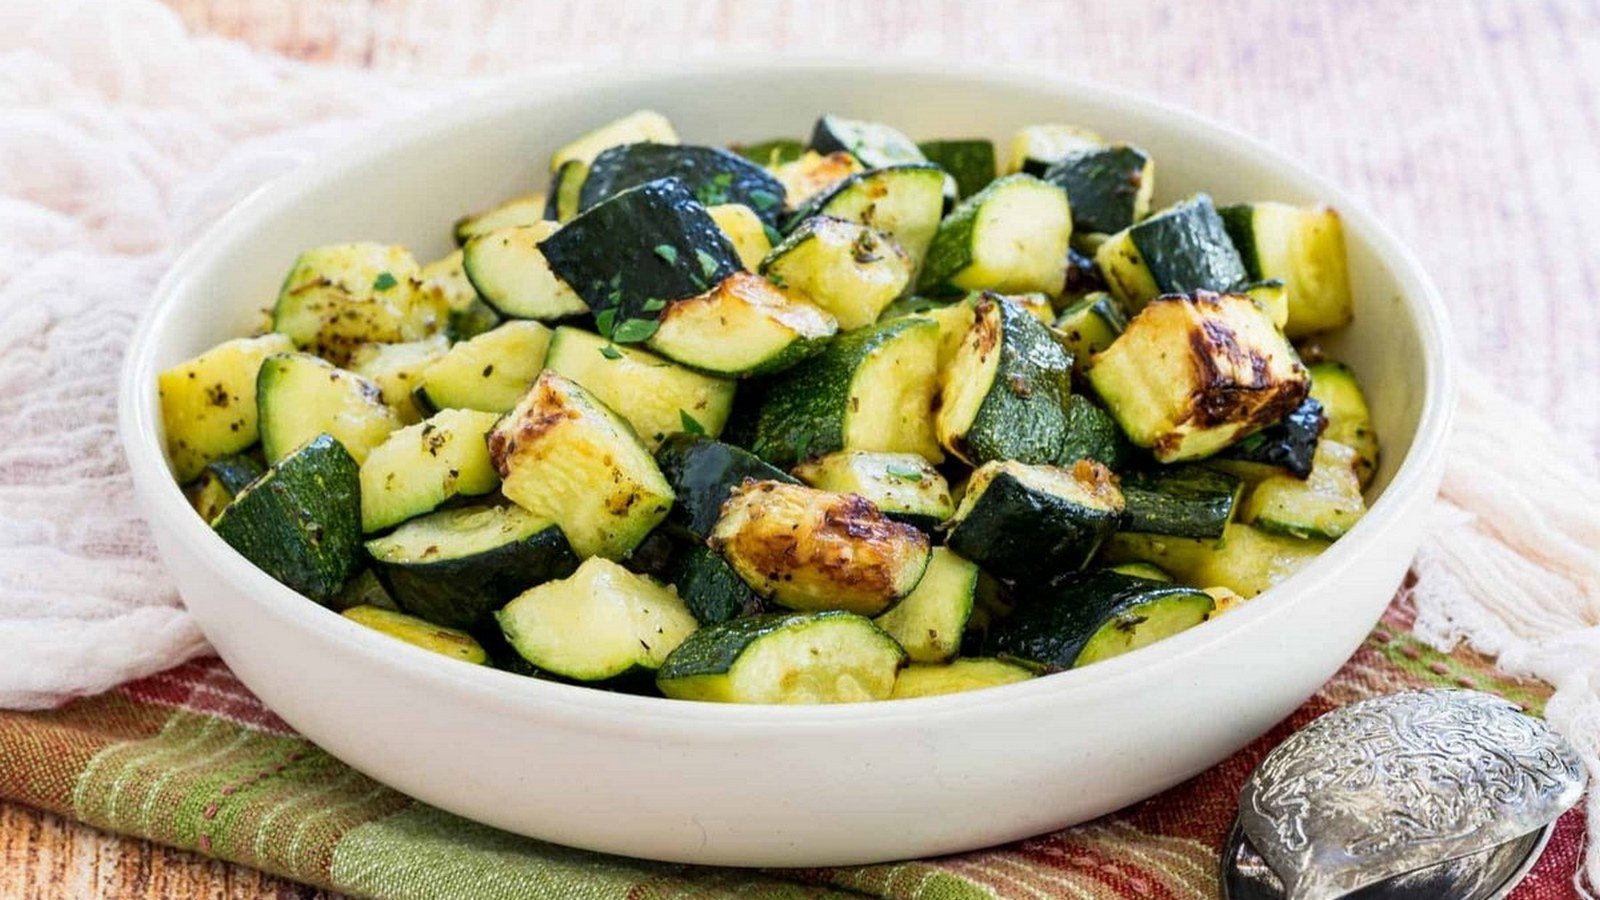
{"x":774,"y":236}
{"x":610,"y":352}
{"x":383,"y":282}
{"x":691,"y":425}
{"x":708,"y":263}
{"x":605,"y":320}
{"x":654,"y":304}
{"x":633,"y":331}
{"x":668,"y":253}
{"x":715,"y":191}
{"x":763,"y":200}
{"x":903,"y":472}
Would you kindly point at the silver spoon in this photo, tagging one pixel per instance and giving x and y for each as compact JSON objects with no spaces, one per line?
{"x":1422,"y":794}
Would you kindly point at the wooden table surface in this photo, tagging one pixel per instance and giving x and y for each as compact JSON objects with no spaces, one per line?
{"x":1473,"y":129}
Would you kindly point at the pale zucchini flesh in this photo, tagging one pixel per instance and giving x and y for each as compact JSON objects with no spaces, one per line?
{"x":490,"y":372}
{"x":930,"y":621}
{"x":510,"y":272}
{"x":844,"y":267}
{"x":421,"y":466}
{"x":300,"y":396}
{"x":397,"y":368}
{"x":450,"y":642}
{"x":1010,"y":237}
{"x":208,"y":404}
{"x":744,"y":326}
{"x":829,"y":657}
{"x":970,"y":673}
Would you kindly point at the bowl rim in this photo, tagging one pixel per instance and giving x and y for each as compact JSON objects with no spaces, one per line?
{"x":595,"y":709}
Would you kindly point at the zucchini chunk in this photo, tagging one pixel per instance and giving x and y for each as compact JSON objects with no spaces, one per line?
{"x":1035,"y":148}
{"x":1323,"y":505}
{"x":489,"y":372}
{"x":1183,"y":248}
{"x":930,"y":621}
{"x":563,"y":455}
{"x":812,"y":174}
{"x":846,"y":268}
{"x":514,"y":213}
{"x":1095,"y":616}
{"x":902,"y":486}
{"x":655,"y":396}
{"x":1191,"y":375}
{"x":1288,"y":445}
{"x":744,"y":230}
{"x":807,"y":549}
{"x":447,"y":281}
{"x":363,"y":589}
{"x":1182,"y":501}
{"x":642,"y":126}
{"x":1302,"y":246}
{"x":702,"y":473}
{"x":1273,"y":295}
{"x":421,"y":466}
{"x":1247,"y":561}
{"x":1005,"y":392}
{"x":1009,"y":237}
{"x":339,"y":297}
{"x":715,"y":176}
{"x":636,"y":250}
{"x":299,"y":396}
{"x":968,"y":674}
{"x":219,"y":483}
{"x":510,"y":272}
{"x":871,"y":389}
{"x":970,"y":162}
{"x":876,"y":145}
{"x":301,"y":521}
{"x":1147,"y":571}
{"x":710,"y":588}
{"x":771,"y":153}
{"x":904,"y":202}
{"x":208,"y":404}
{"x":746,"y":325}
{"x":601,"y":622}
{"x":397,"y":369}
{"x":457,"y":566}
{"x":826,"y":657}
{"x":1093,"y":434}
{"x":566,"y":185}
{"x":419,"y":633}
{"x":1349,"y":421}
{"x":1031,"y":523}
{"x":1109,"y":187}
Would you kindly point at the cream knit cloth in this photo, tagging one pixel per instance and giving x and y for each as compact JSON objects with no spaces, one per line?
{"x":121,"y":136}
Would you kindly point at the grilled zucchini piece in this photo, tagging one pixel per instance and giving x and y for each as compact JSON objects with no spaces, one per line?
{"x":514,"y":213}
{"x":1095,"y":616}
{"x":1031,"y":523}
{"x":566,"y":185}
{"x":1289,"y":445}
{"x":1273,"y":295}
{"x":299,"y":396}
{"x":508,"y":269}
{"x":714,"y":175}
{"x":746,"y":325}
{"x":745,"y":230}
{"x":445,"y":279}
{"x":1323,"y":505}
{"x":457,"y":566}
{"x":1090,"y":326}
{"x":219,"y":483}
{"x":702,"y":473}
{"x":1193,"y":374}
{"x":1302,"y":246}
{"x":903,"y":486}
{"x":846,"y":268}
{"x":876,"y":145}
{"x":397,"y":370}
{"x":208,"y":404}
{"x":421,"y":466}
{"x":1247,"y":561}
{"x":601,"y":622}
{"x":1009,"y":237}
{"x":1349,"y":421}
{"x":826,"y":657}
{"x":812,"y":174}
{"x":710,"y":588}
{"x":930,"y":621}
{"x":339,"y":297}
{"x":1109,"y":187}
{"x":301,"y":521}
{"x":1093,"y":434}
{"x":967,"y":674}
{"x":643,"y":126}
{"x":871,"y":389}
{"x":904,"y":202}
{"x":417,"y":632}
{"x":1035,"y":148}
{"x":970,"y":162}
{"x":1182,"y":501}
{"x":657,"y":397}
{"x":563,"y":455}
{"x":489,"y":372}
{"x":1183,"y":248}
{"x":810,"y":550}
{"x":1005,"y":392}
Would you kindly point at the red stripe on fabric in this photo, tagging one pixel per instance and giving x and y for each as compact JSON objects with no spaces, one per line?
{"x":1122,"y":876}
{"x":206,"y":687}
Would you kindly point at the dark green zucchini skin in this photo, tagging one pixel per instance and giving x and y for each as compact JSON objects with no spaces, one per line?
{"x":702,"y":472}
{"x":1290,"y":444}
{"x":1027,"y":536}
{"x":300,"y":522}
{"x":1050,"y":628}
{"x":1083,"y":277}
{"x":464,"y":592}
{"x":1187,"y":248}
{"x":832,"y":134}
{"x":235,"y":472}
{"x":818,"y":204}
{"x":712,"y":590}
{"x":653,"y":242}
{"x":713,"y":175}
{"x":561,"y":203}
{"x":1181,"y":501}
{"x":771,"y":153}
{"x":1237,"y":221}
{"x":1024,"y":414}
{"x":1092,"y":434}
{"x":970,"y":162}
{"x":1101,"y":184}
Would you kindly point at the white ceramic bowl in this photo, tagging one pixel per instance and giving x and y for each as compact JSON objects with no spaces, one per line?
{"x":746,"y":785}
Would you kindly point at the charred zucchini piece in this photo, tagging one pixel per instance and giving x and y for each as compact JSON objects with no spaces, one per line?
{"x":563,"y":455}
{"x":1349,"y":421}
{"x":1031,"y":523}
{"x":873,"y":143}
{"x":219,"y":483}
{"x":510,"y":272}
{"x":1035,"y":148}
{"x":967,"y":674}
{"x":710,"y":588}
{"x":299,"y":396}
{"x":339,"y":297}
{"x":1010,"y":237}
{"x":301,"y":521}
{"x":871,"y":389}
{"x":1193,"y":374}
{"x":1095,"y":616}
{"x":844,"y":267}
{"x":457,"y":566}
{"x":903,"y":201}
{"x":713,"y":175}
{"x":702,"y":473}
{"x":744,"y":326}
{"x":812,"y":174}
{"x":826,"y":657}
{"x":397,"y":370}
{"x":208,"y":404}
{"x":903,"y":486}
{"x":1302,"y":246}
{"x":656,"y":396}
{"x":1005,"y":392}
{"x":489,"y":372}
{"x":930,"y":621}
{"x":1090,"y":326}
{"x":1288,"y":445}
{"x":643,"y":126}
{"x":518,"y":211}
{"x":1182,"y":501}
{"x":970,"y":162}
{"x":1247,"y":561}
{"x":599,"y":623}
{"x":811,"y":550}
{"x":420,"y":633}
{"x":1109,"y":187}
{"x":1183,"y":248}
{"x":421,"y":466}
{"x":745,"y":230}
{"x":1323,"y":505}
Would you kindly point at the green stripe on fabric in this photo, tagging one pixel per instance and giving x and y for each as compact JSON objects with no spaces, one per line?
{"x":902,"y":881}
{"x":1460,"y":669}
